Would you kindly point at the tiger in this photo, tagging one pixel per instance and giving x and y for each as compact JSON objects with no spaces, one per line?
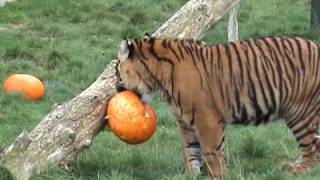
{"x":252,"y":81}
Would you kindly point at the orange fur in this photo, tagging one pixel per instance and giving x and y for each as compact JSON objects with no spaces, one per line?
{"x":248,"y":82}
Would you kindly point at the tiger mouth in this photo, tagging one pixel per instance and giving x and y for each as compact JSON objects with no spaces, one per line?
{"x":121,"y":87}
{"x":139,"y":94}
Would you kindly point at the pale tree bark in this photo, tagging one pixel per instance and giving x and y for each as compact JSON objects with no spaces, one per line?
{"x":233,"y":27}
{"x":70,"y":127}
{"x":3,"y":2}
{"x":195,"y":17}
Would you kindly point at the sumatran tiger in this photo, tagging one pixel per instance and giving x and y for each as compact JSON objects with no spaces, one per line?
{"x":251,"y":81}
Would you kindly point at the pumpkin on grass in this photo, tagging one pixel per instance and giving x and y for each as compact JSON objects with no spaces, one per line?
{"x":130,"y":119}
{"x":29,"y":86}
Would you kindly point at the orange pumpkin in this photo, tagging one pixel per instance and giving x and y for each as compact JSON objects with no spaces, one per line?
{"x":29,"y":86}
{"x":130,"y":119}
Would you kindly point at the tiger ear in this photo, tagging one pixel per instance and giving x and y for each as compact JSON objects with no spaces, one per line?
{"x":147,"y":36}
{"x":125,"y":50}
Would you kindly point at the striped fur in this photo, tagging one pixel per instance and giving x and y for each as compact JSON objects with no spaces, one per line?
{"x":248,"y":82}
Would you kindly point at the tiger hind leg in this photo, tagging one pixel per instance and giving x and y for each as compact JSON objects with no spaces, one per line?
{"x":317,"y":146}
{"x":317,"y":142}
{"x":305,"y":132}
{"x":209,"y":129}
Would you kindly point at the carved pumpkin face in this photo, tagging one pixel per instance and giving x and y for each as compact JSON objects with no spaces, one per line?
{"x":29,"y":86}
{"x":129,"y":119}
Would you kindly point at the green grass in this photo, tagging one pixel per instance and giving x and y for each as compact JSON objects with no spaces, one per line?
{"x":68,"y":43}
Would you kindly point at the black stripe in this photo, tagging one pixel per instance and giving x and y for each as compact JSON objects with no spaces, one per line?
{"x":262,"y":88}
{"x":237,"y":98}
{"x":193,"y":114}
{"x":164,"y":43}
{"x":282,"y":82}
{"x":139,"y":43}
{"x":239,"y":60}
{"x":197,"y":68}
{"x":158,"y":82}
{"x":185,"y":47}
{"x":220,"y":144}
{"x":206,"y":49}
{"x":305,"y":123}
{"x":209,"y":154}
{"x":274,"y":74}
{"x":307,"y":109}
{"x":270,"y":89}
{"x":198,"y":42}
{"x":193,"y":145}
{"x":204,"y":61}
{"x":298,"y":115}
{"x":293,"y":69}
{"x":244,"y":115}
{"x":180,"y":50}
{"x":145,"y":82}
{"x":312,"y":56}
{"x":234,"y":116}
{"x":197,"y":49}
{"x":305,"y":134}
{"x":256,"y":68}
{"x":211,"y":62}
{"x":196,"y":158}
{"x":221,"y":89}
{"x":292,"y":51}
{"x":253,"y":96}
{"x":228,"y":54}
{"x":179,"y":102}
{"x":173,"y":51}
{"x":219,"y":60}
{"x":314,"y":83}
{"x":318,"y":61}
{"x":301,"y":145}
{"x":246,"y":52}
{"x":300,"y":53}
{"x":190,"y":42}
{"x":309,"y":51}
{"x":179,"y":98}
{"x":308,"y":154}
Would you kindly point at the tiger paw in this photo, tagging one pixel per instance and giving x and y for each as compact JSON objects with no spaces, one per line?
{"x":296,"y":168}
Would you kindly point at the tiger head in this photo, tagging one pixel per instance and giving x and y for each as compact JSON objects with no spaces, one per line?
{"x":136,"y":67}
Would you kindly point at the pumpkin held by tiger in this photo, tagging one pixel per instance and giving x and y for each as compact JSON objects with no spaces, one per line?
{"x":251,"y":81}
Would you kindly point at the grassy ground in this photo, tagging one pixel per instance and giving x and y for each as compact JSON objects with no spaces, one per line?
{"x":67,"y":43}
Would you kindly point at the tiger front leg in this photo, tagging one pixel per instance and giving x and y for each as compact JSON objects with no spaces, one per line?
{"x":209,"y":129}
{"x":191,"y":147}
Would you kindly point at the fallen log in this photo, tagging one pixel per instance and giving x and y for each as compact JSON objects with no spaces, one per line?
{"x":70,"y":127}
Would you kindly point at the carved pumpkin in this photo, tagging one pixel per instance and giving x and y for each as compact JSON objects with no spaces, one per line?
{"x":29,"y":86}
{"x":130,"y":119}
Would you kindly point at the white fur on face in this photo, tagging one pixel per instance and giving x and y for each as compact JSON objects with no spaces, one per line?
{"x":123,"y":50}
